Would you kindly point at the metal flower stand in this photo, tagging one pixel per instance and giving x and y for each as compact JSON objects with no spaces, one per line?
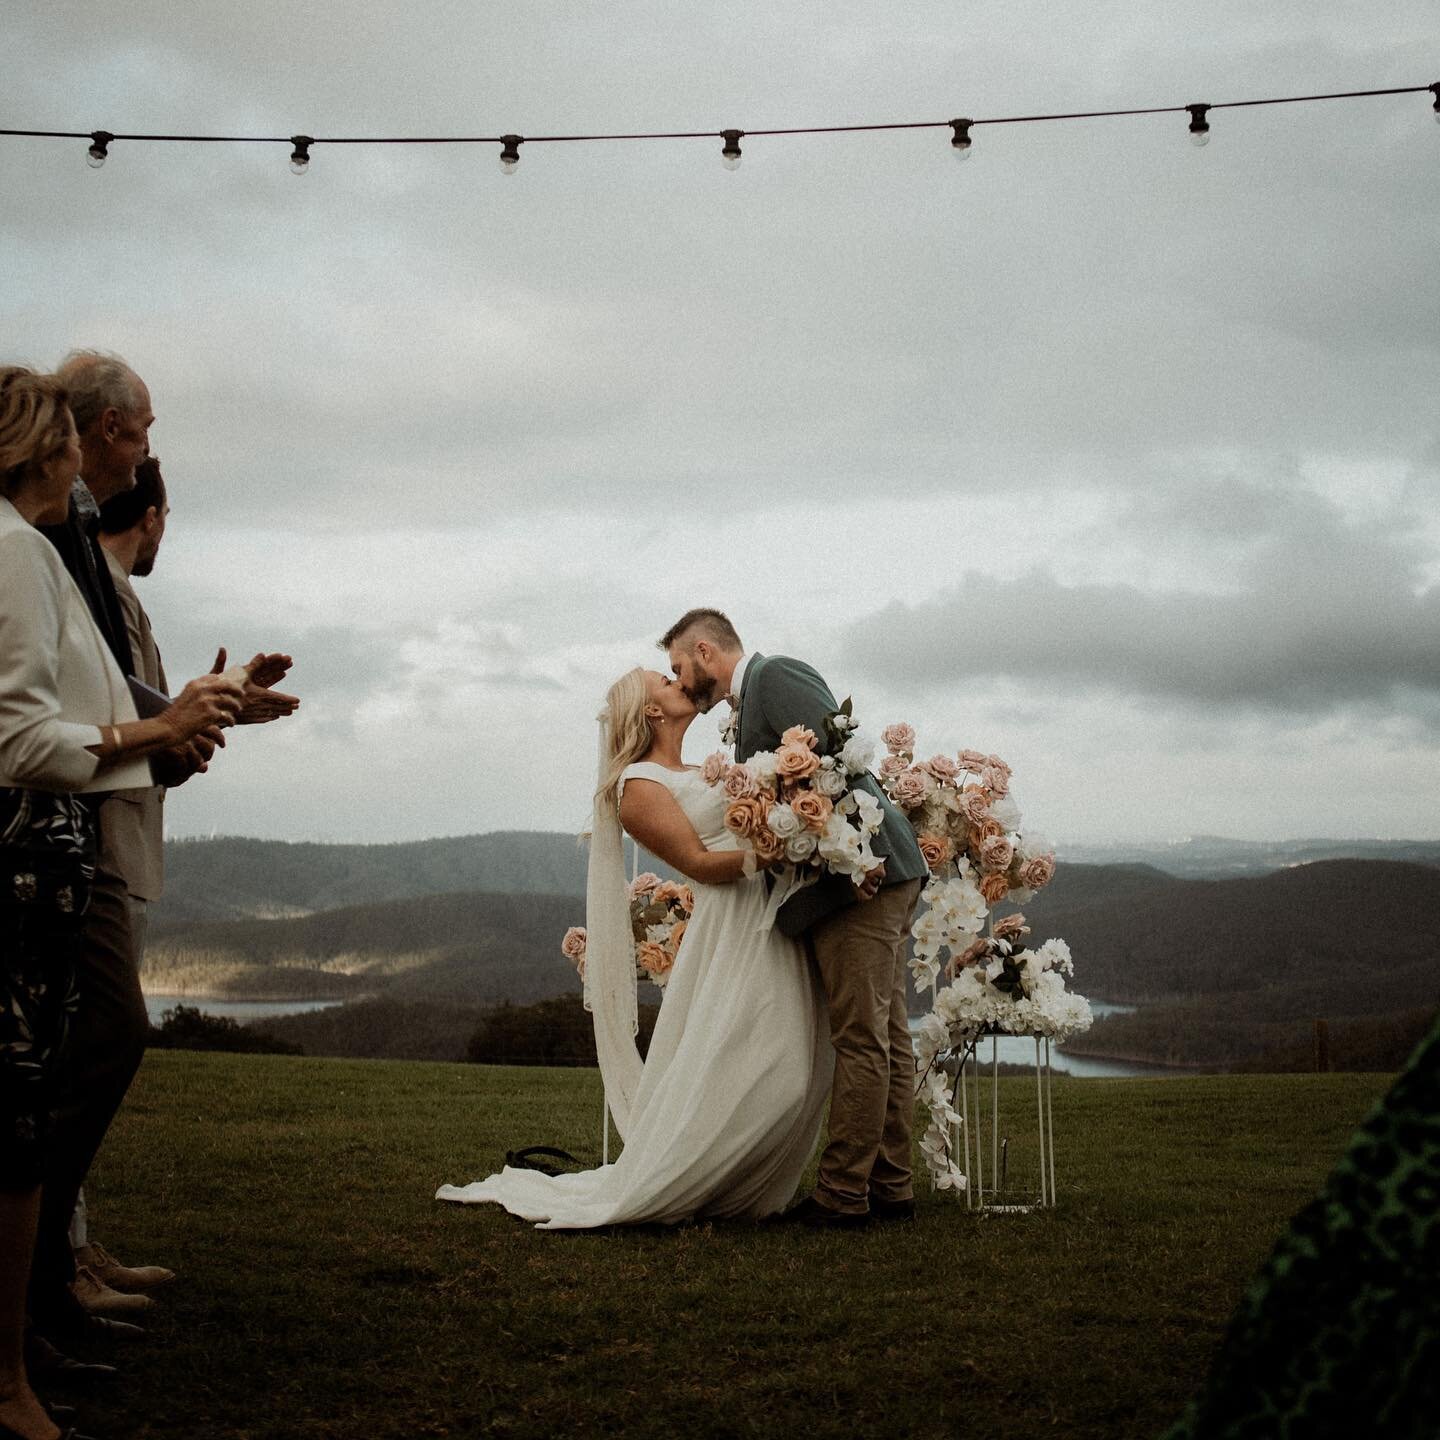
{"x":992,"y":1191}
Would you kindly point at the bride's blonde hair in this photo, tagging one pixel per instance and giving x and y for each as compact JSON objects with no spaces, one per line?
{"x":629,"y":734}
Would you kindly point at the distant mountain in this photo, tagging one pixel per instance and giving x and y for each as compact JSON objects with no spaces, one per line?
{"x":231,"y":878}
{"x":471,"y":948}
{"x":1213,"y":857}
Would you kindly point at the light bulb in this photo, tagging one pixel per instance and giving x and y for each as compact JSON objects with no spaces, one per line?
{"x":300,"y":155}
{"x":1199,"y":138}
{"x":510,"y":152}
{"x":730,"y":151}
{"x":960,"y":142}
{"x":1435,"y":91}
{"x":1199,"y":125}
{"x":99,"y":148}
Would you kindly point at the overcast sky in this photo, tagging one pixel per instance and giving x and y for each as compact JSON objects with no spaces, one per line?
{"x":1114,"y":456}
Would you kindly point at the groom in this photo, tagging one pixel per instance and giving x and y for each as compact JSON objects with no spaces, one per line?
{"x":858,"y":948}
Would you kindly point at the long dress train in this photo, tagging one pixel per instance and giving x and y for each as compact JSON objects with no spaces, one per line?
{"x":735,"y":1082}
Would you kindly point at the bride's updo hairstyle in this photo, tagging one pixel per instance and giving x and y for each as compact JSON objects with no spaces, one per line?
{"x":627,"y":734}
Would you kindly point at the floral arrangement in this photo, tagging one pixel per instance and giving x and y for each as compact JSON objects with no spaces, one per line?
{"x":968,"y":827}
{"x":796,"y":805}
{"x":659,"y":911}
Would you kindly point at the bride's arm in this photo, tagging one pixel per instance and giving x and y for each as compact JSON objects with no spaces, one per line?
{"x":649,"y":812}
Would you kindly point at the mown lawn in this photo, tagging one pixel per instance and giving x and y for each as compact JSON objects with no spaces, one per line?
{"x":322,"y":1293}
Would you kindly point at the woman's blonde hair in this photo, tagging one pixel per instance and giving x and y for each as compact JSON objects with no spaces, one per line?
{"x":628,"y":733}
{"x":33,"y":429}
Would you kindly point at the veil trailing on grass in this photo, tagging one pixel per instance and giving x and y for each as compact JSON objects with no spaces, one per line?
{"x":610,"y":955}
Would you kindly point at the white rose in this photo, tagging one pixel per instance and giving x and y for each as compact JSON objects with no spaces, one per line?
{"x":856,"y":754}
{"x":800,"y":847}
{"x":783,"y":821}
{"x":829,"y":783}
{"x":762,"y":766}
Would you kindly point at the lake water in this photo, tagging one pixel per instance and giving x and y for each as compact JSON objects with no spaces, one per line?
{"x":1020,"y":1050}
{"x":239,"y":1010}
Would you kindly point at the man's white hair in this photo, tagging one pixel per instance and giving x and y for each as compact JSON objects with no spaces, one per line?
{"x":97,"y":382}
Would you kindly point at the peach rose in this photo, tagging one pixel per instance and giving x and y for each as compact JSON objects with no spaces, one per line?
{"x":644,"y":884}
{"x":988,"y":829}
{"x":668,"y":891}
{"x":1011,"y":927}
{"x":942,"y":767}
{"x":795,"y":762}
{"x":714,"y":767}
{"x":1037,"y":872}
{"x":936,"y":849}
{"x":677,"y":934}
{"x":812,"y":810}
{"x":746,"y":815}
{"x":972,"y":760}
{"x":769,"y":847}
{"x":687,"y":899}
{"x":653,"y":959}
{"x":799,"y":735}
{"x":996,"y":852}
{"x":572,"y":947}
{"x":899,"y":739}
{"x":994,"y":887}
{"x":739,"y":783}
{"x":910,"y":788}
{"x":976,"y":950}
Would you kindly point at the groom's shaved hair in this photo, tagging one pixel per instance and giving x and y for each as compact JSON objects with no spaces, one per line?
{"x":711,"y":625}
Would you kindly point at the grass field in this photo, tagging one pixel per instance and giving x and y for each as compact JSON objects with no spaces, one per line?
{"x":322,"y":1293}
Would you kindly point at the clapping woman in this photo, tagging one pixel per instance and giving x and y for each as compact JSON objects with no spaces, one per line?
{"x":68,"y":733}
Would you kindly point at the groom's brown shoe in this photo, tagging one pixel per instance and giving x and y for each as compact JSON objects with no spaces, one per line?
{"x":821,"y":1217}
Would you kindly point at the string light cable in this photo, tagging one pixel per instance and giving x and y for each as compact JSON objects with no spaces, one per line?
{"x":961,"y":139}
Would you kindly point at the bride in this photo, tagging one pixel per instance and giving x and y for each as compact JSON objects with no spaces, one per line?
{"x":721,"y":1117}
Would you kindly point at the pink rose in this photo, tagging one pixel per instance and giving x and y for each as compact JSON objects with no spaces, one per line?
{"x":892,"y":765}
{"x":942,"y":767}
{"x":994,"y":762}
{"x":996,"y":853}
{"x":1011,"y":927}
{"x":812,"y":810}
{"x":769,"y":847}
{"x":795,"y":762}
{"x":997,"y":782}
{"x":1037,"y":872}
{"x":899,"y":739}
{"x":714,"y":767}
{"x":572,"y":947}
{"x":799,"y":735}
{"x":643,"y":885}
{"x":975,"y":804}
{"x":739,"y":783}
{"x":972,"y":760}
{"x":910,"y":788}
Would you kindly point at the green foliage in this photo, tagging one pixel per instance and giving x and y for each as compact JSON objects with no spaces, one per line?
{"x":323,"y":1293}
{"x":187,"y":1027}
{"x":558,"y":1031}
{"x":380,"y":1029}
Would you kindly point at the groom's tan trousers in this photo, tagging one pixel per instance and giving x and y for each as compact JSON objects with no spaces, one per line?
{"x":860,"y":954}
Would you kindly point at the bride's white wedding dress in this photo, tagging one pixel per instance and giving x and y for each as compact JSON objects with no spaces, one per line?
{"x":737,"y":1075}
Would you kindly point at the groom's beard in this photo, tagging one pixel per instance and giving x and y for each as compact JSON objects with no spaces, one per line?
{"x":702,"y":695}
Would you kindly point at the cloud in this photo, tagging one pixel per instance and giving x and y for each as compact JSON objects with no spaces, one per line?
{"x":1317,"y":613}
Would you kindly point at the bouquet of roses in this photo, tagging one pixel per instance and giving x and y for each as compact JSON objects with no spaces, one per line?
{"x":659,"y":912}
{"x":797,"y":806}
{"x":967,"y":825}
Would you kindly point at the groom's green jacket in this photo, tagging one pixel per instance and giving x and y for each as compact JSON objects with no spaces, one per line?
{"x":780,"y":692}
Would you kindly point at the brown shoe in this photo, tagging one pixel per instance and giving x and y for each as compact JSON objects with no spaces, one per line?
{"x":111,"y":1272}
{"x":99,"y":1299}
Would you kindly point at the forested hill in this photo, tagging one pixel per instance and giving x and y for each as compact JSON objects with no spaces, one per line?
{"x":232,"y":878}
